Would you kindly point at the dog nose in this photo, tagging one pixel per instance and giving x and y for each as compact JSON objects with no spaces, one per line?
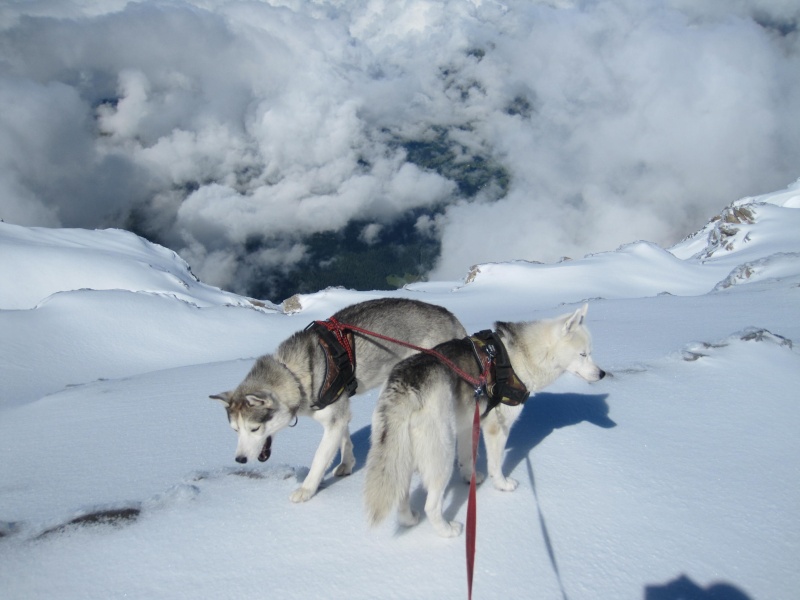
{"x":602,"y":373}
{"x":241,"y":459}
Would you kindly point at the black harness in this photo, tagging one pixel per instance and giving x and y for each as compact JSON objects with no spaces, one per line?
{"x":340,"y":362}
{"x":501,"y":384}
{"x":498,"y":381}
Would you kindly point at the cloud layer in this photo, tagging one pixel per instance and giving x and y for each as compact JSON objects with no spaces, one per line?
{"x":214,"y":125}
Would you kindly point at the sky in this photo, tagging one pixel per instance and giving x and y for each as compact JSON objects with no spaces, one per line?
{"x":210,"y":124}
{"x":674,"y":477}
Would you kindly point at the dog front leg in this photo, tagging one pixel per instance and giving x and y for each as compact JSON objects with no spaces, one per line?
{"x":334,"y":429}
{"x":464,"y":435}
{"x":495,"y":435}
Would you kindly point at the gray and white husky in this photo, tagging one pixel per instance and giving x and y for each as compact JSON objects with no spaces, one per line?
{"x":284,"y":385}
{"x":425,"y":410}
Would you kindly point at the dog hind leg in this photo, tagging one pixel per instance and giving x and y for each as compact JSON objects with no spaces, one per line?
{"x":434,"y":452}
{"x":390,"y":464}
{"x":406,"y":516}
{"x":345,"y":467}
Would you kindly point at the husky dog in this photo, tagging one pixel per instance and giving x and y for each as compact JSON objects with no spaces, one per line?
{"x":425,"y":408}
{"x":286,"y":384}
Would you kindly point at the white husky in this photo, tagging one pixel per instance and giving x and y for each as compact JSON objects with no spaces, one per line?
{"x":292,"y":381}
{"x":425,"y":408}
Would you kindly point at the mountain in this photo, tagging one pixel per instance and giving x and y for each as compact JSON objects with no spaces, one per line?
{"x":674,"y":478}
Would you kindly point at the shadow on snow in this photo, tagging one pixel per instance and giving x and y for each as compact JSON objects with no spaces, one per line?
{"x":543,"y":414}
{"x":684,"y":588}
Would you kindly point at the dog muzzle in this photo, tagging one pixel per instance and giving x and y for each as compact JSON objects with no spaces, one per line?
{"x":266,"y":451}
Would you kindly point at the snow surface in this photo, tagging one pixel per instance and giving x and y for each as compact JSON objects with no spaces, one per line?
{"x":677,"y":477}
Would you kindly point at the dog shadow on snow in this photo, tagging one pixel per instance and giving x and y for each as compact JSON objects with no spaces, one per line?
{"x":543,"y":413}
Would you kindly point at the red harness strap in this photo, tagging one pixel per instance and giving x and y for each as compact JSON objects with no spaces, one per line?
{"x":340,"y":331}
{"x":476,"y":382}
{"x":340,"y":363}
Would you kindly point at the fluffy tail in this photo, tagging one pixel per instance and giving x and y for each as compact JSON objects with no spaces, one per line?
{"x":390,"y":462}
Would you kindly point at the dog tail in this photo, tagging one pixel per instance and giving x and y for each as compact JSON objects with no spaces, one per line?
{"x":390,"y":462}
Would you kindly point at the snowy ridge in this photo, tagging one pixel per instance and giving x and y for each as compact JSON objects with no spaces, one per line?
{"x":729,"y":231}
{"x":63,"y":260}
{"x":753,"y":236}
{"x":699,"y":350}
{"x":781,"y":265}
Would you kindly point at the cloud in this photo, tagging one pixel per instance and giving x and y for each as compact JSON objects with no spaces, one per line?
{"x":233,"y":131}
{"x":642,"y":124}
{"x":371,"y":234}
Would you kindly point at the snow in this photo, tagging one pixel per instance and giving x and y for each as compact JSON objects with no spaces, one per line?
{"x":57,"y":260}
{"x":678,"y":472}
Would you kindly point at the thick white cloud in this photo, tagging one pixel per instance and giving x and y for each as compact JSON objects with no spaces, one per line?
{"x":644,"y":123}
{"x":220,"y":122}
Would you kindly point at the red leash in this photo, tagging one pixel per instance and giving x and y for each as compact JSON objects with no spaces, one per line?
{"x":478,"y":383}
{"x":472,"y":503}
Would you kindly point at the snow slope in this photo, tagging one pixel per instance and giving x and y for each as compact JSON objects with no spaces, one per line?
{"x":676,"y":478}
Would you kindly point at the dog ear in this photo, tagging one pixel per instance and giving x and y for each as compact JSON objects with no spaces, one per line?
{"x":506,"y":329}
{"x":224,"y":397}
{"x":575,"y":319}
{"x":260,"y":398}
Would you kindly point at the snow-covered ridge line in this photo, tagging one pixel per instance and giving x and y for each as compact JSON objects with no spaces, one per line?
{"x":737,"y":242}
{"x":724,"y":231}
{"x":38,"y":262}
{"x":752,"y":236}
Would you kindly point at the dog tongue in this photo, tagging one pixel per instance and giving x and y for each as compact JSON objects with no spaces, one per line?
{"x":266,"y":450}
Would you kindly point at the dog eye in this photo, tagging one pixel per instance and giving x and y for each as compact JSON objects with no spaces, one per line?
{"x":583,"y":355}
{"x":254,"y":429}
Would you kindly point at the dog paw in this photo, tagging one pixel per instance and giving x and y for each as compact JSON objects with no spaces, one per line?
{"x":449,"y":529}
{"x":479,"y":477}
{"x":342,"y":470}
{"x":301,"y":494}
{"x":408,"y":519}
{"x":505,"y":484}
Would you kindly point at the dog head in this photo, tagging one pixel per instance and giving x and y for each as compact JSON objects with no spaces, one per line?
{"x":573,"y":348}
{"x":263,"y":404}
